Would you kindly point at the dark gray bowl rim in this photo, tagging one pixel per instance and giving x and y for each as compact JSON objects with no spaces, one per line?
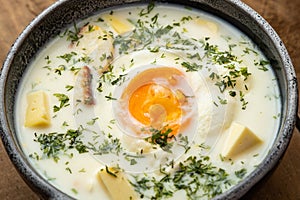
{"x":45,"y":190}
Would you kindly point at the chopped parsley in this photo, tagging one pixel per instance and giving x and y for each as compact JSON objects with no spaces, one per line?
{"x":184,"y":142}
{"x":110,"y":172}
{"x":243,"y":101}
{"x":73,"y":36}
{"x":74,"y":191}
{"x":162,"y":138}
{"x":54,"y":144}
{"x":60,"y":69}
{"x":191,"y":67}
{"x":69,"y":87}
{"x":68,"y":56}
{"x":109,"y":97}
{"x":262,"y":65}
{"x":119,"y":80}
{"x":64,"y":101}
{"x":93,"y":121}
{"x":48,"y":61}
{"x":198,"y":177}
{"x":147,"y":11}
{"x":141,"y":37}
{"x":241,"y":173}
{"x":109,"y":145}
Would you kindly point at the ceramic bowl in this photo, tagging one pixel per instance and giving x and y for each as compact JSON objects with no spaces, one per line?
{"x":64,"y":12}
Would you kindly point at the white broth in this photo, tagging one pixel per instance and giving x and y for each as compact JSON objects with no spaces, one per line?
{"x":169,"y":102}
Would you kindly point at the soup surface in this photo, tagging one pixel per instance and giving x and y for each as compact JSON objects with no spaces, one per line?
{"x":148,"y":102}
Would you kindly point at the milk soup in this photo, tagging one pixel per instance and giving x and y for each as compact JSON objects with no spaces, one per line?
{"x":152,"y":101}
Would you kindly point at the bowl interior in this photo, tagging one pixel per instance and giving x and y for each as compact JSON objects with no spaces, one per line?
{"x":66,"y":12}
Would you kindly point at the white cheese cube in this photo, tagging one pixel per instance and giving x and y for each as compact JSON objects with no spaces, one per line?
{"x":240,"y":139}
{"x":37,"y":113}
{"x":213,"y":27}
{"x":120,"y":25}
{"x":117,"y":184}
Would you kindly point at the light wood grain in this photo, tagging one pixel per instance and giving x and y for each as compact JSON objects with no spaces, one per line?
{"x":283,"y":15}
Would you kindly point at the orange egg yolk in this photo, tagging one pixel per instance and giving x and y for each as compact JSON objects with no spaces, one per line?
{"x":157,"y":106}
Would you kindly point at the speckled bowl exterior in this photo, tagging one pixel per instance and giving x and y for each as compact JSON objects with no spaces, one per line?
{"x":65,"y":12}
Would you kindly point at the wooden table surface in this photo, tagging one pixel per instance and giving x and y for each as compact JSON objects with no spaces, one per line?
{"x":283,"y":15}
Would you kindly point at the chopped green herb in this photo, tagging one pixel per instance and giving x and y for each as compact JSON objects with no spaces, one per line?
{"x":163,"y":30}
{"x":154,"y":19}
{"x":103,"y":57}
{"x":161,"y":138}
{"x":69,"y":170}
{"x":184,"y":142}
{"x":55,"y":144}
{"x":248,"y":50}
{"x":214,"y":75}
{"x":93,"y":121}
{"x":86,"y":59}
{"x":196,"y":176}
{"x":110,"y":145}
{"x":59,"y":69}
{"x":192,"y":56}
{"x":191,"y":67}
{"x":262,"y":65}
{"x":154,"y":49}
{"x":222,"y":158}
{"x":65,"y":124}
{"x":110,"y":173}
{"x":241,"y":173}
{"x":244,"y":72}
{"x":64,"y":101}
{"x":48,"y":61}
{"x":75,"y":69}
{"x":73,"y":36}
{"x":184,"y":19}
{"x":231,"y":46}
{"x":91,"y":28}
{"x":109,"y":97}
{"x":133,"y":162}
{"x":35,"y":155}
{"x":82,"y":170}
{"x":222,"y":101}
{"x":69,"y":87}
{"x":232,"y":93}
{"x":68,"y":56}
{"x":150,"y":7}
{"x":120,"y":79}
{"x":74,"y":191}
{"x":243,"y":101}
{"x":47,"y":67}
{"x":100,"y":20}
{"x":99,"y":88}
{"x":276,"y":116}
